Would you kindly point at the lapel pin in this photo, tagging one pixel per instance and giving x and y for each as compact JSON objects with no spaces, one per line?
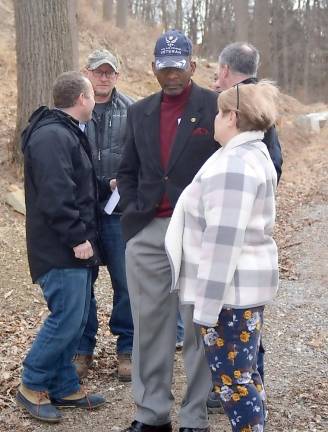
{"x":193,"y":119}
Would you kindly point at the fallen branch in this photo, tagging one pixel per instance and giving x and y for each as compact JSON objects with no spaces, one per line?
{"x":290,"y":245}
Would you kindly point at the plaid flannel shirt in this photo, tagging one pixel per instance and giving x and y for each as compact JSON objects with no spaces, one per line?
{"x":219,"y":241}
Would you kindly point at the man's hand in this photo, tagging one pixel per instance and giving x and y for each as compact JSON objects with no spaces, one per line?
{"x":112,"y":184}
{"x":83,"y":250}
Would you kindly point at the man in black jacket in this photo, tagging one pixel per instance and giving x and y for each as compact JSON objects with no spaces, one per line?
{"x":105,"y":132}
{"x":169,"y":137}
{"x":61,"y":234}
{"x":238,"y":64}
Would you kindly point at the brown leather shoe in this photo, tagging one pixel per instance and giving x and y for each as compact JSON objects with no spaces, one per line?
{"x":83,"y":363}
{"x":124,"y":367}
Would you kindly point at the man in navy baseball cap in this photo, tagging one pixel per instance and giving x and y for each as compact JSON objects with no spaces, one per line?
{"x":173,"y":65}
{"x":172,"y":49}
{"x":168,"y":138}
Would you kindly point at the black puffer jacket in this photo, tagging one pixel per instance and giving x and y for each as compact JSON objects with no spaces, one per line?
{"x":106,"y":137}
{"x":60,"y":192}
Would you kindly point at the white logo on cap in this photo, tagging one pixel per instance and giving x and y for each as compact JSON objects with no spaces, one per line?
{"x":170,"y":41}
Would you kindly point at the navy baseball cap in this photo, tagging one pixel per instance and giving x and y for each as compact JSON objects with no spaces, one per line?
{"x":172,"y":49}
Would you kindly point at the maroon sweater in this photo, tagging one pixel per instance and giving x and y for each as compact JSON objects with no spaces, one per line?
{"x":172,"y":108}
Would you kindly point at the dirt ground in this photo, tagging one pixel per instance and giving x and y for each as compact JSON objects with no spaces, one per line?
{"x":296,"y":331}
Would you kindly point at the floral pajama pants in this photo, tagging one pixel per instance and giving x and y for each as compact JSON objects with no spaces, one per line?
{"x":231,"y":350}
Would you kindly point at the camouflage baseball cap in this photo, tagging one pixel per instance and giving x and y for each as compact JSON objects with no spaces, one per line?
{"x":100,"y":57}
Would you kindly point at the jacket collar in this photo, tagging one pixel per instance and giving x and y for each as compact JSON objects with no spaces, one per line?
{"x":189,"y":121}
{"x":238,"y":140}
{"x":243,"y":138}
{"x":63,"y":114}
{"x":155,"y":101}
{"x":250,"y":80}
{"x":114,"y":95}
{"x":109,"y":104}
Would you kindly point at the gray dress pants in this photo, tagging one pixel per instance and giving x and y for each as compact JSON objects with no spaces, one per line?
{"x":154,"y":311}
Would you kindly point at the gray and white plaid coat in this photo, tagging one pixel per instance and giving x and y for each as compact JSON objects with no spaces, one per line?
{"x":219,"y":241}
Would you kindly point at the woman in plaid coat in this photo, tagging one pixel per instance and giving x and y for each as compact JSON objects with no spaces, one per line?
{"x":224,"y":260}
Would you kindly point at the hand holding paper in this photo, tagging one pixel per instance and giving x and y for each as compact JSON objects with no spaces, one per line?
{"x":112,"y":202}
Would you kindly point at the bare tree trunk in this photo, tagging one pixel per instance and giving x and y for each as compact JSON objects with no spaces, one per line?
{"x":241,"y":17}
{"x":94,"y":5}
{"x":219,"y":30}
{"x":178,"y":15}
{"x":262,"y":35}
{"x":275,"y":46}
{"x":164,"y":14}
{"x":108,"y":9}
{"x":307,"y":50}
{"x":193,"y":23}
{"x":149,"y":11}
{"x":121,"y":13}
{"x":285,"y":48}
{"x":74,"y":32}
{"x":45,"y":47}
{"x":207,"y":23}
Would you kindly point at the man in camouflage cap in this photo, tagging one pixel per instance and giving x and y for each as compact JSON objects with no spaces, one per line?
{"x":105,"y":132}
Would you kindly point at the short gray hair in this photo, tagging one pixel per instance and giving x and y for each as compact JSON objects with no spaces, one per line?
{"x":241,"y":57}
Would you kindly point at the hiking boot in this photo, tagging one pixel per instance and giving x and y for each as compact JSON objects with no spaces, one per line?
{"x":213,"y":403}
{"x":37,"y":404}
{"x":82,"y":363}
{"x":79,"y":399}
{"x":124,"y":367}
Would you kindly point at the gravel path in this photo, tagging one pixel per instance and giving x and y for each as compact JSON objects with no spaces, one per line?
{"x":296,"y":332}
{"x":296,"y":336}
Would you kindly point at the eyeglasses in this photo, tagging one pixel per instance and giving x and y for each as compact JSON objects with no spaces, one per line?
{"x":99,"y":73}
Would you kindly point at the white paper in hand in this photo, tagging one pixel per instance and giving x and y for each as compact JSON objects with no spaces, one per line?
{"x":112,"y":202}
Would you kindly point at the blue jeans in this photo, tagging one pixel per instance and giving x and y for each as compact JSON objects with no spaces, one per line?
{"x":48,"y":365}
{"x":120,"y":323}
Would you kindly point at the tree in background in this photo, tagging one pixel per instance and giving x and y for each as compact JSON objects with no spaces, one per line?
{"x":108,"y":10}
{"x":290,"y":34}
{"x":262,"y":35}
{"x":178,"y":14}
{"x":46,"y":45}
{"x":121,"y":13}
{"x":242,"y":19}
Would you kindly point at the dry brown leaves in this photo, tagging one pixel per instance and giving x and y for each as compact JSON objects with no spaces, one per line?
{"x":17,"y":334}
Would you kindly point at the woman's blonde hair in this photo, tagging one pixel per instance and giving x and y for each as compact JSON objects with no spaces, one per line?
{"x":255,"y":105}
